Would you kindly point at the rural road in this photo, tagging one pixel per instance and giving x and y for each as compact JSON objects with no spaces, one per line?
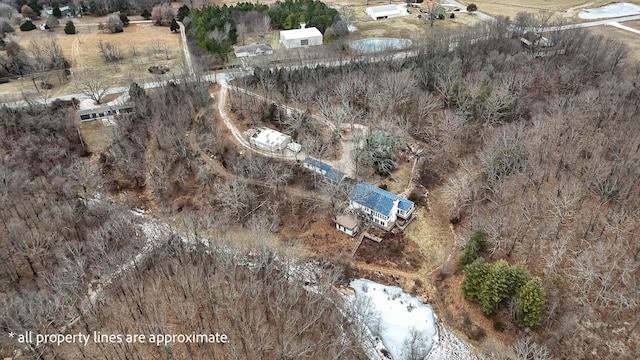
{"x":240,"y":138}
{"x":185,"y":48}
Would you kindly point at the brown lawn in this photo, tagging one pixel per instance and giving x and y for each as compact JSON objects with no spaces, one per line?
{"x":140,"y":46}
{"x":565,"y":9}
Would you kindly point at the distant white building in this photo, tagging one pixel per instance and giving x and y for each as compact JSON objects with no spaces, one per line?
{"x":385,"y":11}
{"x":269,"y":139}
{"x":252,"y":50}
{"x":300,"y":37}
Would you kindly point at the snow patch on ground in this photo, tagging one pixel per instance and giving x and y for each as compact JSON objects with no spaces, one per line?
{"x":401,"y":318}
{"x":395,"y":319}
{"x":449,"y":346}
{"x":610,"y":11}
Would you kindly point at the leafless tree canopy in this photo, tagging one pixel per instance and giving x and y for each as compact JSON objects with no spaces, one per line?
{"x":538,"y":152}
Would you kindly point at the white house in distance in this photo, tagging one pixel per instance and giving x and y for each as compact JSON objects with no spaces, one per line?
{"x":252,"y":50}
{"x":268,"y":139}
{"x":300,"y":37}
{"x":385,"y":11}
{"x":383,"y":207}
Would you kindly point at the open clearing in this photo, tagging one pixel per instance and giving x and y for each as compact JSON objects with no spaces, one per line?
{"x":140,"y":46}
{"x":97,"y":135}
{"x":566,"y":9}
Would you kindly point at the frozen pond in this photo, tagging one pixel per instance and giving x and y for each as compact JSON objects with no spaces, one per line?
{"x":396,"y":319}
{"x":379,"y":44}
{"x":609,"y":11}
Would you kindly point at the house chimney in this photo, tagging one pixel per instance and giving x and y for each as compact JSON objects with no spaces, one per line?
{"x":303,"y":25}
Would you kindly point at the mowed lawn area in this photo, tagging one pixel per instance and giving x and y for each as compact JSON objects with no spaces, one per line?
{"x":140,"y":46}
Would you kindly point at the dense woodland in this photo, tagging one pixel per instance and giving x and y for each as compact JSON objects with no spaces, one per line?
{"x":538,"y":153}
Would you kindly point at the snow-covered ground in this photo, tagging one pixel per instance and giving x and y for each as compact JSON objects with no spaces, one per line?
{"x":610,"y":11}
{"x":404,"y":326}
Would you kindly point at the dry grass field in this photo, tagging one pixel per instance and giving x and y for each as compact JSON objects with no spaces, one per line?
{"x":632,"y":24}
{"x":565,"y":9}
{"x":140,"y":46}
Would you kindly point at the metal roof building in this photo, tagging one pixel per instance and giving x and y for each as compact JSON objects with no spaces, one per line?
{"x":300,"y":37}
{"x":269,"y":139}
{"x":323,"y":169}
{"x":385,"y":11}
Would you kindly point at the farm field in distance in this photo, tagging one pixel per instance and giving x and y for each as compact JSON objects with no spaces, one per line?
{"x":567,"y":9}
{"x":140,"y":46}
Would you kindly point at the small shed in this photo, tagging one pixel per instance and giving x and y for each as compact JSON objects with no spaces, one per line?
{"x":385,"y":11}
{"x":346,"y":223}
{"x":252,"y":50}
{"x":269,"y":139}
{"x":300,"y":37}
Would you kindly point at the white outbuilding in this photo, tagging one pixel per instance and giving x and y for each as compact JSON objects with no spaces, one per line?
{"x":269,"y":139}
{"x":385,"y":11}
{"x":300,"y":37}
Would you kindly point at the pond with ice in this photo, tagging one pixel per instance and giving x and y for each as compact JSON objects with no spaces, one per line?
{"x":402,"y":322}
{"x":610,"y":11}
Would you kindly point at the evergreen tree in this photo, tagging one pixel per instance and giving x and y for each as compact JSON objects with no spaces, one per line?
{"x":531,"y":299}
{"x":27,"y":26}
{"x":495,"y":288}
{"x":69,"y":28}
{"x":289,"y":22}
{"x":124,"y":18}
{"x":475,"y":246}
{"x":56,"y":11}
{"x":183,"y":12}
{"x":475,"y":275}
{"x":174,"y":27}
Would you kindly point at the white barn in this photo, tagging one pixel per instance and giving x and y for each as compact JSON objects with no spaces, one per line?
{"x":385,"y":11}
{"x":269,"y":139}
{"x":300,"y":37}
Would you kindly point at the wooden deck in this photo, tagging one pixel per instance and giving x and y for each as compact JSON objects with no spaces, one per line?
{"x":363,"y":235}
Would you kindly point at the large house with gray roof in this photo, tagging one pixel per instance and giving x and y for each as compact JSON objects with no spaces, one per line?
{"x":383,"y":208}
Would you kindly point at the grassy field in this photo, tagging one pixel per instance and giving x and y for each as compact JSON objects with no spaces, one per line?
{"x":567,"y":10}
{"x":140,"y":46}
{"x":409,"y":27}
